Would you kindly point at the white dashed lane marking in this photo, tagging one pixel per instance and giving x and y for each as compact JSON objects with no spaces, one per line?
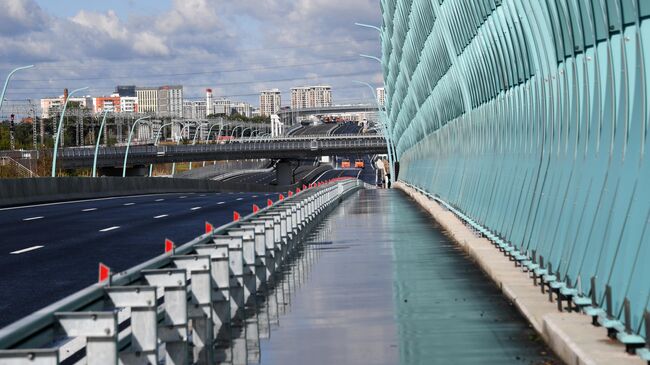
{"x":109,"y":229}
{"x":161,"y":216}
{"x":33,"y":218}
{"x":25,"y":250}
{"x":89,"y":210}
{"x":129,"y":204}
{"x":240,"y":198}
{"x":160,"y":200}
{"x":219,"y":203}
{"x":196,"y":208}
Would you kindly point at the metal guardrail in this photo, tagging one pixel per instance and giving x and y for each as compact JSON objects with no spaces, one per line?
{"x":175,"y":305}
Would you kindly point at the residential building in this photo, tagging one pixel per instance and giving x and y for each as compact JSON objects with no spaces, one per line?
{"x":147,"y":99}
{"x":242,"y":108}
{"x":195,"y":109}
{"x":320,"y":96}
{"x":299,"y":97}
{"x":381,"y":96}
{"x":51,"y":106}
{"x":166,"y":101}
{"x":270,"y":102}
{"x":311,"y":97}
{"x":170,"y":101}
{"x":110,"y":103}
{"x":221,"y":107}
{"x":128,"y":104}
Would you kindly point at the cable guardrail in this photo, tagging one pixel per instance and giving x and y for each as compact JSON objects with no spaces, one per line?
{"x":175,"y":306}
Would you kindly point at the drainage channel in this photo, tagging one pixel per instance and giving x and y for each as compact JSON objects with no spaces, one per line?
{"x":378,"y":283}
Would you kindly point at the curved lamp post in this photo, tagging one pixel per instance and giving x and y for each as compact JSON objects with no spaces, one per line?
{"x":199,"y":125}
{"x":60,"y":128}
{"x":155,"y":143}
{"x":385,"y":130}
{"x":128,"y":144}
{"x":212,"y":127}
{"x":4,"y":89}
{"x":179,"y":142}
{"x":99,"y":138}
{"x":233,"y":133}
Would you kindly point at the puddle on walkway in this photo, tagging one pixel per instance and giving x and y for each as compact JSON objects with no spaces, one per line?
{"x":377,"y":283}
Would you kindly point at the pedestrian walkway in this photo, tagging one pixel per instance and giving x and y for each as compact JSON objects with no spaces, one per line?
{"x":378,"y":283}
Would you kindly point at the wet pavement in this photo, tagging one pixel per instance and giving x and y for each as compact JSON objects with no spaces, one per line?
{"x":379,"y":283}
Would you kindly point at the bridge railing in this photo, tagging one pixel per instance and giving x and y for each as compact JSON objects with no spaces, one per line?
{"x":177,"y":304}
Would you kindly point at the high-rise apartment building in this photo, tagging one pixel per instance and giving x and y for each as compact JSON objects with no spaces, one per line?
{"x":165,"y":101}
{"x":270,"y":102}
{"x":51,"y":106}
{"x":147,"y":99}
{"x":311,"y":97}
{"x":196,"y":109}
{"x":299,"y":98}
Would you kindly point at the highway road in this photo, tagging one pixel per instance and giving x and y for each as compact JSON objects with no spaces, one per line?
{"x":50,"y":251}
{"x":335,"y":173}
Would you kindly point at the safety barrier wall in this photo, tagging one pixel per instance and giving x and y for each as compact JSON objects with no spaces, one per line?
{"x":531,"y":117}
{"x":179,"y":305}
{"x":15,"y":192}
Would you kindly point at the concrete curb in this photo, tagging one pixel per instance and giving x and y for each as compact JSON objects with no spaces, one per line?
{"x":570,"y":335}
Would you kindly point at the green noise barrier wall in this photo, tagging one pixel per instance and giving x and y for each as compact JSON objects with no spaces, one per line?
{"x":531,"y":117}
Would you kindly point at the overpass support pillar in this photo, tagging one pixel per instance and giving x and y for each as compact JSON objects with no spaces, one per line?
{"x":284,"y":172}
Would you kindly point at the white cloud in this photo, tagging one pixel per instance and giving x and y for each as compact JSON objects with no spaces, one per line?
{"x":101,"y":49}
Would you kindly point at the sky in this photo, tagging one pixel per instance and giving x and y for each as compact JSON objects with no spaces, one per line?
{"x":235,"y":47}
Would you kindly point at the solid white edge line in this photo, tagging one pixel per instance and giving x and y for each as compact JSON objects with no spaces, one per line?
{"x":32,"y":218}
{"x":83,"y":200}
{"x":109,"y":229}
{"x":25,"y":250}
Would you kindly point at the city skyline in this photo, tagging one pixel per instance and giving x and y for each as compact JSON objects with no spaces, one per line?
{"x":198,"y":43}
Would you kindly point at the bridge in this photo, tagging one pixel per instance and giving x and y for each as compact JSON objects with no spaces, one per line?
{"x":276,"y":148}
{"x":520,"y":128}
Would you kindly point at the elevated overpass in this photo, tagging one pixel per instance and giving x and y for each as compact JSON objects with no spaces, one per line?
{"x":276,"y":148}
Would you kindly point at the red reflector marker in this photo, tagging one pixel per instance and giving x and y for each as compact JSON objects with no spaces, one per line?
{"x":290,"y":193}
{"x":169,"y":245}
{"x":269,"y":202}
{"x":281,"y":197}
{"x":255,"y":208}
{"x":104,"y":272}
{"x":235,"y":216}
{"x":208,"y":227}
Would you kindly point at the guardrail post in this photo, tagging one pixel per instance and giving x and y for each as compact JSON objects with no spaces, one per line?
{"x":29,"y":357}
{"x":269,"y":240}
{"x":200,"y":310}
{"x":220,"y":272}
{"x":248,"y":254}
{"x":260,"y":251}
{"x":141,"y":302}
{"x":236,"y":272}
{"x":100,"y":331}
{"x":173,"y":330}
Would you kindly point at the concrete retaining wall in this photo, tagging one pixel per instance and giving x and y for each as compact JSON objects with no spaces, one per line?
{"x":14,"y":192}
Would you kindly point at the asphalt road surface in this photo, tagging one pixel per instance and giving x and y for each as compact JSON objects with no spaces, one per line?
{"x":50,"y":251}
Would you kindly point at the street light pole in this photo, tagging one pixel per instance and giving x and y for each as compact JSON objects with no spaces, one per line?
{"x":60,"y":128}
{"x":99,"y":138}
{"x":155,"y":143}
{"x":128,"y":144}
{"x":179,"y":142}
{"x":4,"y":89}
